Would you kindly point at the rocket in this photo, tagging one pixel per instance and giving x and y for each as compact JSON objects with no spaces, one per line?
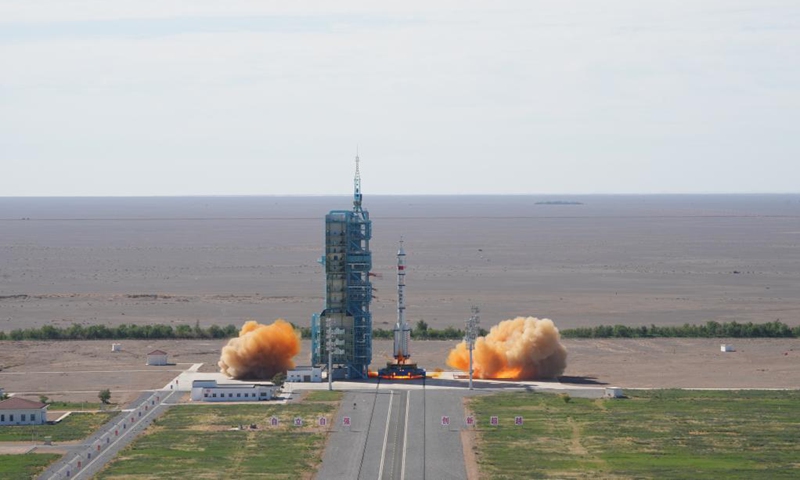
{"x":401,"y":368}
{"x":402,"y":332}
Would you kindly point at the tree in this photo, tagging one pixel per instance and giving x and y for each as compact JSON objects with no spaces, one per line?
{"x":279,"y":378}
{"x":183,"y":331}
{"x":44,"y":399}
{"x":421,"y":329}
{"x":215,"y":332}
{"x":104,"y":396}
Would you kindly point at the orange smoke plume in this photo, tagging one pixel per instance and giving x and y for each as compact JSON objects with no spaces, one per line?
{"x":260,"y":351}
{"x":519,"y":349}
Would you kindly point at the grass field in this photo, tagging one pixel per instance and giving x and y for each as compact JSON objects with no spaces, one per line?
{"x":25,"y":467}
{"x":652,"y":434}
{"x":81,"y":406}
{"x":74,"y":427}
{"x":196,"y":441}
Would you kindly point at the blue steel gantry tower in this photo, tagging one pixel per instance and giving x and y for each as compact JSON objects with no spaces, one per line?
{"x":345,"y":325}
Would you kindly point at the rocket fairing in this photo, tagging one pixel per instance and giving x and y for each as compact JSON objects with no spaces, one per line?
{"x":402,"y":332}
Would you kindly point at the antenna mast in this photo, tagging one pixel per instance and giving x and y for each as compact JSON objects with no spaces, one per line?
{"x":357,"y":187}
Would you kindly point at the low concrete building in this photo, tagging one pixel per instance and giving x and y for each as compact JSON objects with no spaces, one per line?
{"x":157,"y":357}
{"x":19,"y":411}
{"x":211,"y":391}
{"x":304,"y":374}
{"x":726,"y":348}
{"x":613,"y":392}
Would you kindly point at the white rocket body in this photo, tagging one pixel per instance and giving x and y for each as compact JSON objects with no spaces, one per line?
{"x":402,"y":332}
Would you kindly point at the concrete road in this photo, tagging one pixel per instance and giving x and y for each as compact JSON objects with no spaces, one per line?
{"x":397,"y":433}
{"x":112,"y":437}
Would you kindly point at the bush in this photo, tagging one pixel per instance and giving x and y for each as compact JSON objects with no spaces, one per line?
{"x":711,"y":329}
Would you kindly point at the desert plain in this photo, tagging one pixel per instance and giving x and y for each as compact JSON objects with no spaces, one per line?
{"x":632,"y":260}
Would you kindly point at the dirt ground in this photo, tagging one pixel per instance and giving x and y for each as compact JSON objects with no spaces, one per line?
{"x":78,"y":370}
{"x":633,"y":260}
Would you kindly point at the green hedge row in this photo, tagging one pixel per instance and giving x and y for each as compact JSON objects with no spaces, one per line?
{"x":421,"y":331}
{"x":776,"y":329}
{"x":98,"y":332}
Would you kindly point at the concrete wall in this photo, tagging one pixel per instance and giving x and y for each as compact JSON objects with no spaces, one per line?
{"x":245,"y":393}
{"x":32,"y":417}
{"x":311,"y":374}
{"x":156,"y":359}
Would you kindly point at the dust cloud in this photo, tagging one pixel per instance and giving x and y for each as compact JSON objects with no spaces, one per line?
{"x":260,"y":351}
{"x":520,"y":349}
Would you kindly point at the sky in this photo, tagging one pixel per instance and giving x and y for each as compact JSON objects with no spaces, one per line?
{"x":164,"y":97}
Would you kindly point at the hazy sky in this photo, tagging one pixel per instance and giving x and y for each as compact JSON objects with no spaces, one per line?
{"x":164,"y":97}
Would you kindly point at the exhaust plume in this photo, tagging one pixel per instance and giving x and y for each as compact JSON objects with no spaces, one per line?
{"x":519,"y":349}
{"x":260,"y":351}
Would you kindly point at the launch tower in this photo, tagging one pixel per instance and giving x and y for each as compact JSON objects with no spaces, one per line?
{"x":344,"y":328}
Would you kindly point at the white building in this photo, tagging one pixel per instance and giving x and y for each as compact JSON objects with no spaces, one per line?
{"x":19,"y":411}
{"x":726,"y":348}
{"x":211,"y":391}
{"x":157,"y":357}
{"x":304,"y":374}
{"x":613,"y":392}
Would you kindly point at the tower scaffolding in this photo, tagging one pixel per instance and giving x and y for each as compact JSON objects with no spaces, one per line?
{"x":348,"y":290}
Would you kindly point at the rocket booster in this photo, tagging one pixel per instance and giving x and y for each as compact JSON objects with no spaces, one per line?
{"x":402,"y":332}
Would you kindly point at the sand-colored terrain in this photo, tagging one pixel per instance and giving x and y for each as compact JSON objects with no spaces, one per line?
{"x":634,"y":260}
{"x":78,"y":370}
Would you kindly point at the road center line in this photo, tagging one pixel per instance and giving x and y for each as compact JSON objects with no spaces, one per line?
{"x":386,"y":434}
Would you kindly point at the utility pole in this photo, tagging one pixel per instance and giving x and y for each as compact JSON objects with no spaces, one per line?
{"x":471,"y":335}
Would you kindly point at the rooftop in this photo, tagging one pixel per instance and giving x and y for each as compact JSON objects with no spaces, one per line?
{"x":15,"y":403}
{"x":211,"y":383}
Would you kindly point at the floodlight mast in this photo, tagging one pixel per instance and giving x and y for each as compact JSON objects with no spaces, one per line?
{"x":471,"y":335}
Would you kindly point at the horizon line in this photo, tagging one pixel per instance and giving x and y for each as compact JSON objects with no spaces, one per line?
{"x":300,"y":195}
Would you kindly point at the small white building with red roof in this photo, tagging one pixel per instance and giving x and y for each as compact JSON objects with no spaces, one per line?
{"x":20,"y":411}
{"x":157,"y":357}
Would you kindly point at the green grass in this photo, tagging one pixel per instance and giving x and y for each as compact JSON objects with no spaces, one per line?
{"x":74,"y":427}
{"x":24,"y":467}
{"x":324,"y":396}
{"x":652,"y":434}
{"x":196,"y":441}
{"x":81,"y":406}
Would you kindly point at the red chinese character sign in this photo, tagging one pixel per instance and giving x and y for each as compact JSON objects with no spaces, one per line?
{"x":517,"y":420}
{"x":470,"y":420}
{"x":273,"y":421}
{"x":298,"y":422}
{"x":323,"y":422}
{"x":494,"y":421}
{"x":445,"y":421}
{"x":346,"y":421}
